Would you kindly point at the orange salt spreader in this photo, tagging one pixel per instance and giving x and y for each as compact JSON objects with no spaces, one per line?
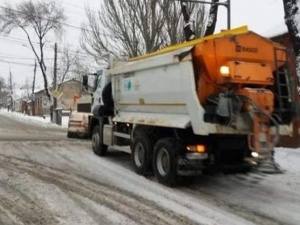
{"x":242,"y":74}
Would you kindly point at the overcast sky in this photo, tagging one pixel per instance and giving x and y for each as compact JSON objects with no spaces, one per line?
{"x":261,"y":16}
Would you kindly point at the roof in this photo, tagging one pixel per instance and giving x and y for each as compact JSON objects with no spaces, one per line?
{"x":65,"y":81}
{"x":68,"y":80}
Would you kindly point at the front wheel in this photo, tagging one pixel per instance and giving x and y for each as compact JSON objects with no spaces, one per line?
{"x":165,"y":161}
{"x":97,"y":142}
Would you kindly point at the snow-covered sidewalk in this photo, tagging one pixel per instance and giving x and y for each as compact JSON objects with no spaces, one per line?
{"x":36,"y":120}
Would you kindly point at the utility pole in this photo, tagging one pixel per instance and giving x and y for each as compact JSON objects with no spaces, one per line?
{"x":55,"y":83}
{"x":33,"y":86}
{"x":10,"y":81}
{"x":34,"y":74}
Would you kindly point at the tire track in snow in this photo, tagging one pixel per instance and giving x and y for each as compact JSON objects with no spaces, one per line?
{"x":20,"y":209}
{"x":136,"y":209}
{"x":222,"y":186}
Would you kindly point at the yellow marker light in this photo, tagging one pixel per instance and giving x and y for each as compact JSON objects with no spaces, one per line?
{"x":200,"y":148}
{"x":196,"y":148}
{"x":225,"y":70}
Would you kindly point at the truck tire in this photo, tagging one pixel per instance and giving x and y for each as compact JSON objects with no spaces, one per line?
{"x":97,"y":142}
{"x":165,"y":161}
{"x":142,"y":153}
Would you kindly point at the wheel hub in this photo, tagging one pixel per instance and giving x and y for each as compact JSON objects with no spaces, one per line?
{"x":163,"y":162}
{"x":139,"y":155}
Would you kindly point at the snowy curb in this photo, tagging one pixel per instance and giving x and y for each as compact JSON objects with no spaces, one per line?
{"x":36,"y":120}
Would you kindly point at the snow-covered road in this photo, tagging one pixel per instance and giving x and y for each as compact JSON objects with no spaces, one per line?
{"x":48,"y":179}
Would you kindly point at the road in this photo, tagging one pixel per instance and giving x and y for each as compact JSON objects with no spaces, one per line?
{"x":46,"y":178}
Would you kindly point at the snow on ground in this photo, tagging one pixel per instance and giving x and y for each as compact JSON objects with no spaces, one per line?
{"x":288,"y":159}
{"x":67,"y":182}
{"x":36,"y":120}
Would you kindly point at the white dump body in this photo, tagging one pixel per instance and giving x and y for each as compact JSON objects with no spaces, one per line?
{"x":160,"y":91}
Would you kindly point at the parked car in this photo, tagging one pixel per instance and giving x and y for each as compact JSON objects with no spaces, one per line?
{"x":78,"y":125}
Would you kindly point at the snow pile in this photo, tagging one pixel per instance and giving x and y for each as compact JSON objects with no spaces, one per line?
{"x":35,"y":120}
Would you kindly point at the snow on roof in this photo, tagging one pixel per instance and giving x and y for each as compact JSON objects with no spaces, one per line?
{"x":65,"y":81}
{"x":39,"y":90}
{"x":68,"y":80}
{"x":279,"y":29}
{"x":85,"y":99}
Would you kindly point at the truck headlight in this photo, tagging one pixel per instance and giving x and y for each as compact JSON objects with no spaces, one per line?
{"x":225,"y":70}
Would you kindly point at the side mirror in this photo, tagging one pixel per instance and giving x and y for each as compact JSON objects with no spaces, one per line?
{"x":85,"y":81}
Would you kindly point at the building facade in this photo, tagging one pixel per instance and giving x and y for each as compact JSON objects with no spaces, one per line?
{"x":285,"y":40}
{"x":66,"y":93}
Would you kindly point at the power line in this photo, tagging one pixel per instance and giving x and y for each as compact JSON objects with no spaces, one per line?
{"x":16,"y":63}
{"x":73,"y":5}
{"x":17,"y":39}
{"x":23,"y":41}
{"x":22,"y":58}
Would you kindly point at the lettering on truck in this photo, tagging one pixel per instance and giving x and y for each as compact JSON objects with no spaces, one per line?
{"x":240,"y":48}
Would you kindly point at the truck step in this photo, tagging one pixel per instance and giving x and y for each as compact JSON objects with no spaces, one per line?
{"x":126,"y":149}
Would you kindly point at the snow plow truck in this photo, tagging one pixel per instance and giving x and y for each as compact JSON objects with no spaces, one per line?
{"x":215,"y":103}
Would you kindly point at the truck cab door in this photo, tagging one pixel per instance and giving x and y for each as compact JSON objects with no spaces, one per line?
{"x":100,"y":83}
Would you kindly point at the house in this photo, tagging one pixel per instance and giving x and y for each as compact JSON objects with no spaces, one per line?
{"x":41,"y":103}
{"x":20,"y":105}
{"x":66,"y":93}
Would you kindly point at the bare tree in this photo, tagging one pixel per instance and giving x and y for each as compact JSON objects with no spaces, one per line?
{"x":26,"y":87}
{"x":174,"y":22}
{"x":67,"y":60}
{"x":131,"y":28}
{"x":80,"y":68}
{"x":292,"y":13}
{"x":3,"y":89}
{"x":2,"y":84}
{"x":40,"y":17}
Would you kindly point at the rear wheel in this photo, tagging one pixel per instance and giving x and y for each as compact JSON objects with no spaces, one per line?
{"x":142,"y":151}
{"x":97,"y":142}
{"x":165,"y":161}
